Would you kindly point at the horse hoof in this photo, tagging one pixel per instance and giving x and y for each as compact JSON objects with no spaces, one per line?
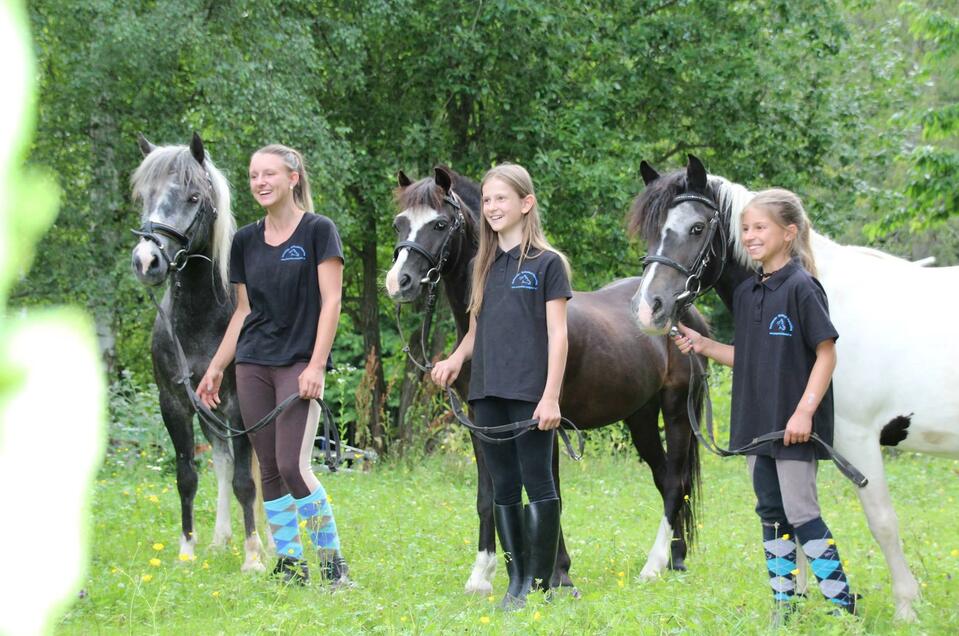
{"x":483,"y":588}
{"x":649,"y":574}
{"x":253,"y":566}
{"x":678,"y":567}
{"x":905,"y":614}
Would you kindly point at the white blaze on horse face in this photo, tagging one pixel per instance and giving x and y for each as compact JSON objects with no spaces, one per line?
{"x":679,"y":220}
{"x":658,"y":557}
{"x":417,"y":217}
{"x":144,"y":253}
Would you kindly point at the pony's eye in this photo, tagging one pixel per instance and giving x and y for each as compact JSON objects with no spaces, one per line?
{"x":697,"y":229}
{"x":396,"y":227}
{"x":440,"y":225}
{"x":194,"y":198}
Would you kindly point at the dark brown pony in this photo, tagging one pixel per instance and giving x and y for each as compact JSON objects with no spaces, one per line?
{"x":613,"y":372}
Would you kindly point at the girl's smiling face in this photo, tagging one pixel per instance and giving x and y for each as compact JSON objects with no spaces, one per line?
{"x":503,"y":208}
{"x":765,"y":240}
{"x":270,"y":180}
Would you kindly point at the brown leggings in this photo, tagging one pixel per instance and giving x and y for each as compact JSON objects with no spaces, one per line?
{"x":284,"y":448}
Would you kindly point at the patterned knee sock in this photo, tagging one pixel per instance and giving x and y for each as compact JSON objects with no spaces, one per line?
{"x":316,"y":511}
{"x":820,"y":549}
{"x":780,"y":547}
{"x":281,"y":514}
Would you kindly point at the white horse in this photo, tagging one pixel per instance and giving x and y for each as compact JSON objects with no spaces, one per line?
{"x":896,"y":378}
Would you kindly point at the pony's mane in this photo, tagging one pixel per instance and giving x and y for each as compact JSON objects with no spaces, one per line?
{"x":649,"y":210}
{"x":176,"y":163}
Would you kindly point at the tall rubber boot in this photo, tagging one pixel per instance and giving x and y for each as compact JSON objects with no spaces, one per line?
{"x":542,"y":533}
{"x":509,"y":528}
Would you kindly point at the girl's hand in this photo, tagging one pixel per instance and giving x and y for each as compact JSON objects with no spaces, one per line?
{"x":445,"y":371}
{"x":209,"y":388}
{"x":798,"y":429}
{"x":689,"y":339}
{"x":547,"y":412}
{"x":312,"y":383}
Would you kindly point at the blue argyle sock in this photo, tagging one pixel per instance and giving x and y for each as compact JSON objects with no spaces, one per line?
{"x":779,"y":544}
{"x":820,"y":549}
{"x":316,"y":511}
{"x":281,"y":514}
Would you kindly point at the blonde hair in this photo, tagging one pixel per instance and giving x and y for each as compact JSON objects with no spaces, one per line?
{"x":518,"y":179}
{"x":785,"y":209}
{"x":293,"y":161}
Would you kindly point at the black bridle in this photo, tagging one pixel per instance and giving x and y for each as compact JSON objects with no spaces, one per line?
{"x":693,"y":287}
{"x":437,"y":263}
{"x":152,"y":230}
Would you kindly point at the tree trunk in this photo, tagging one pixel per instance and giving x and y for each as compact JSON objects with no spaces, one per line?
{"x":370,"y":324}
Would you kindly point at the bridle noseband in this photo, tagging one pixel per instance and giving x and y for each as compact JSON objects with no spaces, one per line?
{"x":693,"y":288}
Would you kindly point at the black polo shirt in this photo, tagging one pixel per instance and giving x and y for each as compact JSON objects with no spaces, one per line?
{"x":511,"y":349}
{"x":282,"y":285}
{"x":778,"y":324}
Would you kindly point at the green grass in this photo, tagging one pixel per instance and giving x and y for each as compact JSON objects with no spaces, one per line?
{"x":409,"y":531}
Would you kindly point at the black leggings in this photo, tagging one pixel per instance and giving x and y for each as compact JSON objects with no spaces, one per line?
{"x":284,"y":448}
{"x":524,"y":462}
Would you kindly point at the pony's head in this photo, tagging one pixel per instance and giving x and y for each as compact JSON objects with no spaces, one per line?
{"x":684,"y":217}
{"x":186,"y":211}
{"x":431,"y":228}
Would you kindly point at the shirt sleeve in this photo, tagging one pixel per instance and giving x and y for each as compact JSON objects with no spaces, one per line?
{"x":814,"y":316}
{"x":237,"y":268}
{"x":326,"y":240}
{"x":556,"y":280}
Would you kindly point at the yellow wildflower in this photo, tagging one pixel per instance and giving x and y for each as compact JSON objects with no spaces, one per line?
{"x":954,"y":553}
{"x":537,"y":616}
{"x":154,"y":499}
{"x":146,"y":578}
{"x":620,"y":583}
{"x":206,"y":566}
{"x":484,"y":620}
{"x":216,"y":594}
{"x":157,"y":546}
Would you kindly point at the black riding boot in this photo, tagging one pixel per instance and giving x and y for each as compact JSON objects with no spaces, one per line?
{"x":542,"y":534}
{"x":509,"y":527}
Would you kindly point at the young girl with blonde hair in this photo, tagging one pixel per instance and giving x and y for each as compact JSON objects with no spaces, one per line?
{"x":517,"y":343}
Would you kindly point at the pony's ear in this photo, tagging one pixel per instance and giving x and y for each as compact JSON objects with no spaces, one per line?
{"x":443,"y":178}
{"x":649,"y":173}
{"x":145,"y":146}
{"x":196,"y":148}
{"x":695,"y":174}
{"x":403,"y":180}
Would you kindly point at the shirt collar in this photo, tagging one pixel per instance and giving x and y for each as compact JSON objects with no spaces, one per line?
{"x":512,"y":253}
{"x":779,"y":276}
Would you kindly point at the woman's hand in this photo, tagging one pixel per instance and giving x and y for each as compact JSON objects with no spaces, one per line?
{"x":798,"y":428}
{"x":446,"y":371}
{"x":209,"y":388}
{"x":689,"y":340}
{"x":312,"y":382}
{"x":547,"y":412}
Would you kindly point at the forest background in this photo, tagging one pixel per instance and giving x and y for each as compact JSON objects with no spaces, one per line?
{"x":853,"y":104}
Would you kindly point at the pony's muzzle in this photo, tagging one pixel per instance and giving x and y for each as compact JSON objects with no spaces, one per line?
{"x":148,"y":263}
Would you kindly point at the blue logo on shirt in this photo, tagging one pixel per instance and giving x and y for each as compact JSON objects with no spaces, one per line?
{"x":781,"y":325}
{"x":293,"y":253}
{"x":525,"y":280}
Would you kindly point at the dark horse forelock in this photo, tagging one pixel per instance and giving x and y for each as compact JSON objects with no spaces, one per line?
{"x":649,"y":210}
{"x":422,"y":194}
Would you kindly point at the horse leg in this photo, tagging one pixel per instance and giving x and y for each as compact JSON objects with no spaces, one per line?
{"x":681,"y":473}
{"x":644,"y":432}
{"x":560,"y":576}
{"x":861,"y":447}
{"x":223,"y":468}
{"x":244,"y":488}
{"x":178,"y":419}
{"x":481,"y":577}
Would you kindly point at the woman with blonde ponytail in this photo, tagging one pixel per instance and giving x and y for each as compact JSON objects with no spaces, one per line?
{"x":517,"y":343}
{"x":288,"y":271}
{"x":783,"y":361}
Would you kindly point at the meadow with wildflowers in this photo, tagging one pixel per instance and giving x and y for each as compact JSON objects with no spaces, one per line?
{"x":409,"y":532}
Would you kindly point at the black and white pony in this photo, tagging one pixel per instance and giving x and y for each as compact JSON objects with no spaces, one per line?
{"x":186,"y":231}
{"x":895,"y":382}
